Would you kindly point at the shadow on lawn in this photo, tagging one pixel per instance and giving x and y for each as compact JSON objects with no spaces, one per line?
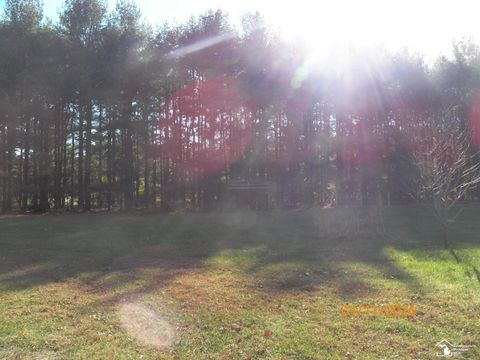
{"x":284,"y":251}
{"x":423,"y":235}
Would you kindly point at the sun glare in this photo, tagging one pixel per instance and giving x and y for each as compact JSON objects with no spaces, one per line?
{"x":323,"y":25}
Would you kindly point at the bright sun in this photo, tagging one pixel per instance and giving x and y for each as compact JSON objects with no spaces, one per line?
{"x":423,"y":26}
{"x":322,"y":25}
{"x":426,"y":27}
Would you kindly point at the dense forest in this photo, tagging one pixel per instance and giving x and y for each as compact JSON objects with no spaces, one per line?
{"x":103,"y":111}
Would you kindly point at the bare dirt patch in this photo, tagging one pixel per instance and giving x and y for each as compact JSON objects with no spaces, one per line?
{"x":145,"y":325}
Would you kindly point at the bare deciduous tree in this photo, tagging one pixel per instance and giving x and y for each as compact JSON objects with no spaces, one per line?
{"x":447,"y":165}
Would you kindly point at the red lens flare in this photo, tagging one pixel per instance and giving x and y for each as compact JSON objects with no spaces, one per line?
{"x":474,"y":118}
{"x":207,"y":126}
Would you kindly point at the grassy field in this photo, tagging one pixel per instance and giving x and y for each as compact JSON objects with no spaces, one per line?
{"x":238,"y":285}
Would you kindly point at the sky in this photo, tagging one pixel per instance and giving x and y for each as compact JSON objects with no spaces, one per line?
{"x":426,"y":27}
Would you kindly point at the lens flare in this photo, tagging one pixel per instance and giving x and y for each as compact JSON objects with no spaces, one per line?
{"x":207,"y":126}
{"x":301,"y":74}
{"x":474,"y":118}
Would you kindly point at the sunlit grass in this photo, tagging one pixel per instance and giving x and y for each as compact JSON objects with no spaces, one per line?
{"x":223,"y":279}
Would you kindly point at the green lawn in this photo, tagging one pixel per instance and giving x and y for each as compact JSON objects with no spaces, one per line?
{"x":225,"y":280}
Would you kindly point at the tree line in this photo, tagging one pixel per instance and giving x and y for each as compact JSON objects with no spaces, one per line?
{"x":100,"y":110}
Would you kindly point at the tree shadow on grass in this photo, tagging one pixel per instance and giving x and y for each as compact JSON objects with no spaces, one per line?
{"x":307,"y":250}
{"x":292,"y":251}
{"x":423,"y":236}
